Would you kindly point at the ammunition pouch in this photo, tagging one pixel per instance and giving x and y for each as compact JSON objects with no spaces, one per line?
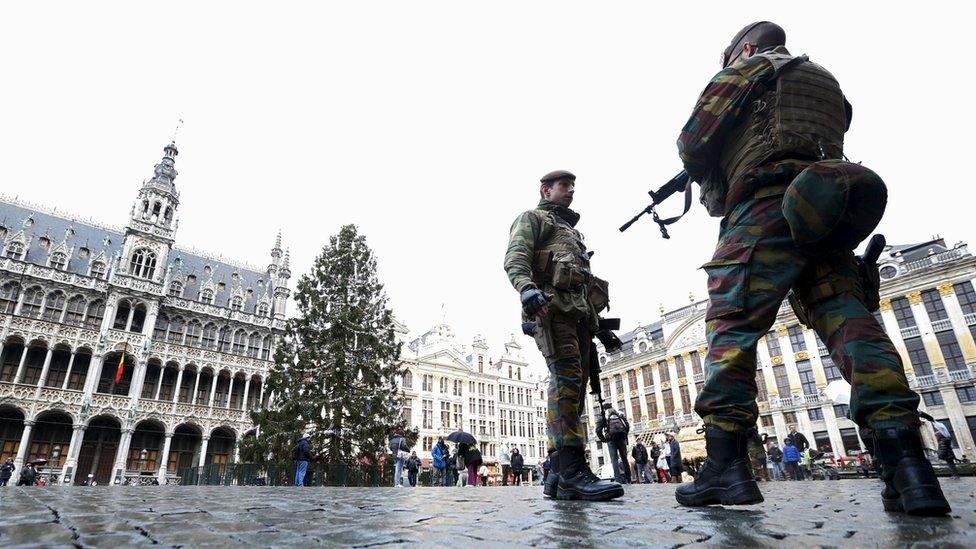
{"x":562,"y":275}
{"x":599,"y":294}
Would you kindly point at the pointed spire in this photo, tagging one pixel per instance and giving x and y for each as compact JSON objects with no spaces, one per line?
{"x":285,"y":269}
{"x":276,"y":251}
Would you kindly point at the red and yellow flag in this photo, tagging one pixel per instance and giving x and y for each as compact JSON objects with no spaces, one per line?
{"x":120,"y":369}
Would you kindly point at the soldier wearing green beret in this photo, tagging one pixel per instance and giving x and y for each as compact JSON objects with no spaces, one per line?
{"x":547,"y":263}
{"x":766,"y":143}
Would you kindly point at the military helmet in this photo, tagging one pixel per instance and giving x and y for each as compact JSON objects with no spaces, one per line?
{"x":834,"y":204}
{"x":552,"y":177}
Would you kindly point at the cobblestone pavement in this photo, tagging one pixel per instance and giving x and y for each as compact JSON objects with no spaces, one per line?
{"x":840,"y":513}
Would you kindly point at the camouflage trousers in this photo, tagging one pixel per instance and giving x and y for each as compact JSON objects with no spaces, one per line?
{"x":755,"y":265}
{"x":569,"y":369}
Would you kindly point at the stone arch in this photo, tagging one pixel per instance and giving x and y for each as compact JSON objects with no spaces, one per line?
{"x":96,"y":458}
{"x":146,"y":446}
{"x":13,"y":347}
{"x":690,"y":334}
{"x":220,"y":449}
{"x":185,"y":447}
{"x":12,"y":419}
{"x":34,"y":363}
{"x":110,"y":365}
{"x":50,"y":437}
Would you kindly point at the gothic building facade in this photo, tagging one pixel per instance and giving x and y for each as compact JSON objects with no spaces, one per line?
{"x":124,"y":357}
{"x":928,"y":308}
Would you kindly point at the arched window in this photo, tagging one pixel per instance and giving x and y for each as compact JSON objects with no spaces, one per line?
{"x":263,"y":309}
{"x":253,"y":345}
{"x":407,"y":380}
{"x":138,"y":318}
{"x":33,"y":298}
{"x":224,"y":343}
{"x":176,"y":289}
{"x":162,"y":323}
{"x":54,"y":306}
{"x":239,"y":338}
{"x":98,"y":269}
{"x":210,"y":336}
{"x":15,"y":250}
{"x":193,"y":333}
{"x":206,"y":296}
{"x":236,"y":303}
{"x":143,"y":263}
{"x":122,"y":315}
{"x":59,"y":261}
{"x":96,"y":311}
{"x":75,"y":314}
{"x":175,"y":331}
{"x":266,"y":347}
{"x":9,"y":294}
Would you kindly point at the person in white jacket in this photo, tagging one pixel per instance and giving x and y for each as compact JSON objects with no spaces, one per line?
{"x":504,"y":462}
{"x":663,"y":464}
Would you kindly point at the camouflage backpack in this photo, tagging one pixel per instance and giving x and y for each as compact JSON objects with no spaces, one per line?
{"x":834,"y":205}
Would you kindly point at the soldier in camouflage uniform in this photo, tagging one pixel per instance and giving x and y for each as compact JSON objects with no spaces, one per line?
{"x":759,"y":123}
{"x":549,"y":266}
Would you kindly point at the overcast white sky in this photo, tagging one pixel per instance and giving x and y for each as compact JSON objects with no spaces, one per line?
{"x":428,"y":124}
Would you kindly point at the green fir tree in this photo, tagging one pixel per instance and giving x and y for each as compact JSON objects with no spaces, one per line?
{"x":335,"y":372}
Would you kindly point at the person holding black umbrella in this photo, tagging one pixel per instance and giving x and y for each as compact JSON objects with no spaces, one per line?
{"x":468,"y":450}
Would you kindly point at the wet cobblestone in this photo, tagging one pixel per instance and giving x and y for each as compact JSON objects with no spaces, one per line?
{"x":807,"y":514}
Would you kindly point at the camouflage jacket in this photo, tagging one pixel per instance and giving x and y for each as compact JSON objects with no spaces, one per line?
{"x":721,"y":106}
{"x":531,"y":232}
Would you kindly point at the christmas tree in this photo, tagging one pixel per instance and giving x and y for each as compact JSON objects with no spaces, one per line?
{"x":335,"y":371}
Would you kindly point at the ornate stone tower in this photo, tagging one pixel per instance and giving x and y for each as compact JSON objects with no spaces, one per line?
{"x":279,"y":271}
{"x":152,"y":223}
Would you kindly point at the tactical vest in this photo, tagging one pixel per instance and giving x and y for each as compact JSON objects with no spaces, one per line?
{"x":802,"y":117}
{"x":562,"y":266}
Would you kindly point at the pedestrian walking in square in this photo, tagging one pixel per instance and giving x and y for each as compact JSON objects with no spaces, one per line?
{"x":439,"y":457}
{"x":776,"y":460}
{"x":791,"y":457}
{"x":400,"y":451}
{"x":6,"y":471}
{"x":518,"y":466}
{"x":302,"y":454}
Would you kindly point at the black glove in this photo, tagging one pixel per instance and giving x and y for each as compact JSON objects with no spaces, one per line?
{"x":533,"y":300}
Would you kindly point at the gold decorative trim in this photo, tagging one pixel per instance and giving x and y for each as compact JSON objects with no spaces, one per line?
{"x":802,"y":355}
{"x":686,"y":356}
{"x":914,"y":297}
{"x":702,"y":351}
{"x":665,"y":385}
{"x":671,"y":360}
{"x":885,"y":304}
{"x":946,"y":289}
{"x":633,"y":393}
{"x":777,"y":360}
{"x":782,"y":331}
{"x":763,"y":406}
{"x":682,"y":381}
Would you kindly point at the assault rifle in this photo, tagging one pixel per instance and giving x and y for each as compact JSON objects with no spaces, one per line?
{"x":677,"y":183}
{"x":611,"y":343}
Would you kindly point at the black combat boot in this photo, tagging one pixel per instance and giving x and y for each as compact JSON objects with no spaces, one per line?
{"x":726,"y":476}
{"x":910,"y":482}
{"x":552,"y":481}
{"x":577,"y":481}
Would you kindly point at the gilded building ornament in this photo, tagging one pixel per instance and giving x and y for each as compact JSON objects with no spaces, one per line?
{"x":802,"y":355}
{"x":945,"y":289}
{"x":914,"y":297}
{"x":885,"y":305}
{"x":777,"y":360}
{"x":781,"y":331}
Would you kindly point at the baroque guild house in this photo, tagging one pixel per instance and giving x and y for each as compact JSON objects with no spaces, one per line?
{"x":123,"y":357}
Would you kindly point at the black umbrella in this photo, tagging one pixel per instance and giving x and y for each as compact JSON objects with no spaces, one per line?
{"x":461,"y":438}
{"x":38,"y":462}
